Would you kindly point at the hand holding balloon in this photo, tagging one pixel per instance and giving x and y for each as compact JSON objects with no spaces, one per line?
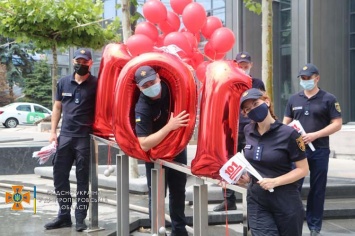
{"x":181,"y":120}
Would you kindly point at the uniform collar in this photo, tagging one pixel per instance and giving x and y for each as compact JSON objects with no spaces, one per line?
{"x":273,"y":126}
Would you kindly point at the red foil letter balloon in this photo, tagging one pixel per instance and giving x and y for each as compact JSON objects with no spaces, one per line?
{"x":182,"y":87}
{"x":219,"y":115}
{"x":114,"y":57}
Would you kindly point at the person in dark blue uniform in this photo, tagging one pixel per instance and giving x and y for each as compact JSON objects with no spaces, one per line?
{"x":271,"y":148}
{"x":243,"y":59}
{"x":320,"y":115}
{"x":75,"y":99}
{"x":153,"y":123}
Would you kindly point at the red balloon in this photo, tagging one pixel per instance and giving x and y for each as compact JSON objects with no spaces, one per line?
{"x":211,"y":53}
{"x":154,"y":11}
{"x":194,"y":17}
{"x":179,"y":5}
{"x":138,"y":44}
{"x":201,"y":71}
{"x":212,"y":23}
{"x":191,"y":39}
{"x":196,"y":59}
{"x":148,"y":29}
{"x":114,"y":57}
{"x":222,"y":40}
{"x":160,"y":40}
{"x":179,"y":39}
{"x":183,"y":97}
{"x":219,"y":115}
{"x":171,"y":24}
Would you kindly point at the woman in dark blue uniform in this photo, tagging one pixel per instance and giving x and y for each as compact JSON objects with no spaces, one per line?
{"x":153,"y":124}
{"x":271,"y":148}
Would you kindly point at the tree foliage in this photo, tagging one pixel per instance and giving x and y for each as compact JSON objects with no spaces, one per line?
{"x":51,"y":24}
{"x":38,"y":85}
{"x":18,"y":63}
{"x":253,"y":6}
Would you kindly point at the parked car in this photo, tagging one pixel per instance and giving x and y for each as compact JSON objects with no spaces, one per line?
{"x":22,"y":113}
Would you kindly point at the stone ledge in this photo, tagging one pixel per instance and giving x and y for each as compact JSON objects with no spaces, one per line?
{"x":136,"y":185}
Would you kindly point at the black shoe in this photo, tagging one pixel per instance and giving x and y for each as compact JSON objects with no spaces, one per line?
{"x":222,"y":207}
{"x":80,"y":225}
{"x":58,"y":223}
{"x":179,"y":233}
{"x":314,"y":233}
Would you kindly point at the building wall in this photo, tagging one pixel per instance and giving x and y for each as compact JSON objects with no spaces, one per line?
{"x":329,"y":47}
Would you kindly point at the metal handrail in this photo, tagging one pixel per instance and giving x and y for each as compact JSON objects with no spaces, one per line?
{"x":200,"y":199}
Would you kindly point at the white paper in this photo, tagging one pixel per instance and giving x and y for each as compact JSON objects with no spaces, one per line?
{"x":232,"y":170}
{"x":299,"y":128}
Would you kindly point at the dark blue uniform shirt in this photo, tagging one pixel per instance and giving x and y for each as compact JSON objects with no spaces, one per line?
{"x":152,"y":115}
{"x":314,"y":113}
{"x":78,"y":105}
{"x":272,"y":153}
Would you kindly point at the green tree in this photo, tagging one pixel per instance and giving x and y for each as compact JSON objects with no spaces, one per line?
{"x":18,"y":63}
{"x":38,"y":85}
{"x":267,"y":28}
{"x":52,"y":24}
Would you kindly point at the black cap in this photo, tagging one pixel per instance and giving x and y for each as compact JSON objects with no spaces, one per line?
{"x":243,"y":57}
{"x":252,"y":93}
{"x":308,"y":70}
{"x":144,"y":74}
{"x":84,"y":53}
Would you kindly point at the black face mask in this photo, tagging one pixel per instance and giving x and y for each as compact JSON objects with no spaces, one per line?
{"x":81,"y":69}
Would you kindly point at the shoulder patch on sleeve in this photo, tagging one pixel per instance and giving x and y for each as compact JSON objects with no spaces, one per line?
{"x":337,"y":106}
{"x":301,"y":144}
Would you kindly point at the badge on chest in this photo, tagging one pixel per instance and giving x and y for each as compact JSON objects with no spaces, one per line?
{"x":258,"y":152}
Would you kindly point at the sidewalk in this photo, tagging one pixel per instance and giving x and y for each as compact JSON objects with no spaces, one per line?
{"x":28,"y":223}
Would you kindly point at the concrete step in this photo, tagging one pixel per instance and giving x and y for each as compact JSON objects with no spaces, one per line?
{"x":337,"y":188}
{"x":136,"y":185}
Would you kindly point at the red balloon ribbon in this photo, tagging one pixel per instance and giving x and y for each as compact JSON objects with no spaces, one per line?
{"x":219,"y":115}
{"x":114,"y":57}
{"x":183,"y":97}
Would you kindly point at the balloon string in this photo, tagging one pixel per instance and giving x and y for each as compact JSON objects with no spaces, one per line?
{"x":160,"y":196}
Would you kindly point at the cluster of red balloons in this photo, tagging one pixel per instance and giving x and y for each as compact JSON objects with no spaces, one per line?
{"x":163,"y":28}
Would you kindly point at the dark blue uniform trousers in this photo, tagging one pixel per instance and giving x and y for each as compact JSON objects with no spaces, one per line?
{"x":273,"y":214}
{"x":318,"y":162}
{"x":176,"y":181}
{"x":70,"y":150}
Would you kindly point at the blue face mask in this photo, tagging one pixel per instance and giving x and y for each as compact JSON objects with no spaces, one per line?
{"x":259,"y":113}
{"x":307,"y":84}
{"x":152,"y":91}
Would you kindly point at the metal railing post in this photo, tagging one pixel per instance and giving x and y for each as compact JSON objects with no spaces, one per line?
{"x":158,"y":199}
{"x":93,"y":188}
{"x":200,"y":211}
{"x":122,"y":195}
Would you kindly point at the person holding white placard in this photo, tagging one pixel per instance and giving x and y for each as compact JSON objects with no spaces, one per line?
{"x":271,"y":148}
{"x":320,"y":115}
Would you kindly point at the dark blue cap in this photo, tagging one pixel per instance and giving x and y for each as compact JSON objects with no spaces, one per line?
{"x":252,"y":93}
{"x":84,"y":53}
{"x":144,"y":74}
{"x":308,"y":70}
{"x":243,"y":57}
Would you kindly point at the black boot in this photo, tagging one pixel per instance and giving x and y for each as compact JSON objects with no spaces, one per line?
{"x":222,"y":206}
{"x":58,"y":223}
{"x":80,"y":225}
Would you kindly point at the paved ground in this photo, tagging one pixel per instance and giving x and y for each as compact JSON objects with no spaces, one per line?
{"x":27,"y":223}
